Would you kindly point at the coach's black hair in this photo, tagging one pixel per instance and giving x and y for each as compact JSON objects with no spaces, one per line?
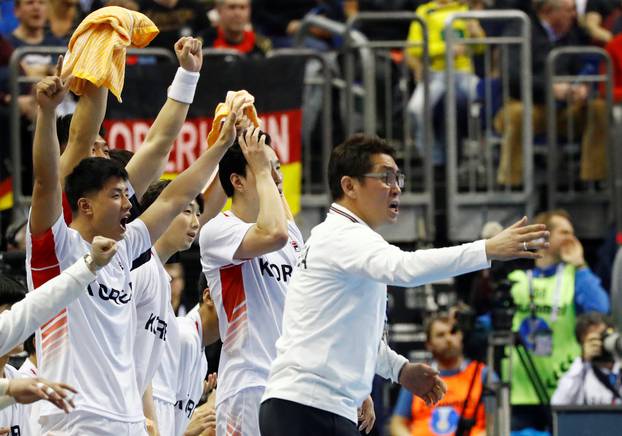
{"x":353,"y":158}
{"x":11,"y":291}
{"x":90,"y":176}
{"x":155,"y":189}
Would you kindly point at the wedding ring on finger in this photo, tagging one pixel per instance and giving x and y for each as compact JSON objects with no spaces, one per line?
{"x":525,"y":246}
{"x":49,"y":390}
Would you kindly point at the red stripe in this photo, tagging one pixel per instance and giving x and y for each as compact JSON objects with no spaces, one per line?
{"x":58,"y":323}
{"x":44,"y":261}
{"x":56,"y":334}
{"x":6,"y":186}
{"x":232,"y":289}
{"x":67,"y":209}
{"x":60,"y":314}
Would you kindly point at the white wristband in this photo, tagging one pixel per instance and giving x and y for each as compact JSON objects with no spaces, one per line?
{"x":183,"y":86}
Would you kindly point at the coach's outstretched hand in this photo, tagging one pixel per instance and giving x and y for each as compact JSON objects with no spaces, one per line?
{"x":29,"y":390}
{"x":51,"y":90}
{"x":189,"y":53}
{"x":518,"y":241}
{"x":424,"y":382}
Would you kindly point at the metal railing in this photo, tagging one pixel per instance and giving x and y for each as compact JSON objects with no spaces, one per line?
{"x":591,"y":204}
{"x":470,"y":204}
{"x":361,"y":57}
{"x":15,"y":80}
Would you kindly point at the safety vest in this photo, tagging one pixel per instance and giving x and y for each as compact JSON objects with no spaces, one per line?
{"x":553,"y":301}
{"x":443,"y":418}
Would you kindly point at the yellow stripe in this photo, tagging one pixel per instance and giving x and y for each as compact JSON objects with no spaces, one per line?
{"x":6,"y":201}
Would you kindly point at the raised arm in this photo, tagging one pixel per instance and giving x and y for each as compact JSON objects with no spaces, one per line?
{"x":188,"y":184}
{"x":47,"y":191}
{"x":148,"y":164}
{"x":85,"y":124}
{"x":269,"y":233}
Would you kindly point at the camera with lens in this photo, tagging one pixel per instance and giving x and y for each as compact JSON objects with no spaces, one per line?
{"x":503,"y":307}
{"x":612,"y":347}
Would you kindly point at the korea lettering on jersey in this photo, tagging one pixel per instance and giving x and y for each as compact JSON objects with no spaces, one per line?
{"x":192,"y":369}
{"x":249,"y":296}
{"x":87,"y":345}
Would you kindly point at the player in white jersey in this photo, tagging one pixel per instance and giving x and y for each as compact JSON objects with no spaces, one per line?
{"x":196,"y":330}
{"x":334,"y":315}
{"x":157,"y":350}
{"x":88,"y":344}
{"x":248,"y":255}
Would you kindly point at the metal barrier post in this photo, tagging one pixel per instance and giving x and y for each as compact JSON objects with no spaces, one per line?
{"x":468,"y":211}
{"x":599,"y":213}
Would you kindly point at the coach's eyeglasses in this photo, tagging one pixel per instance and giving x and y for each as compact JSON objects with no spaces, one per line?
{"x":389,"y":178}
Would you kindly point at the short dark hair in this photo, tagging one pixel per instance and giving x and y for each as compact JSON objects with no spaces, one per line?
{"x":29,"y":345}
{"x":155,"y":189}
{"x":201,"y":285}
{"x":121,"y":156}
{"x":11,"y":291}
{"x":233,"y":162}
{"x":353,"y":158}
{"x":63,"y":123}
{"x":587,"y":320}
{"x":89,"y":176}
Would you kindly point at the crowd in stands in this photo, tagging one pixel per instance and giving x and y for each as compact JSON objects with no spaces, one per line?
{"x":562,"y":306}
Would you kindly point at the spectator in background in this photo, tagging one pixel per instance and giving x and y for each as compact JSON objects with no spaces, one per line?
{"x":435,"y":15}
{"x":234,"y":30}
{"x":280,"y":20}
{"x":594,"y":377}
{"x":552,"y":26}
{"x":600,"y":16}
{"x":548,"y":298}
{"x":64,"y":18}
{"x":31,"y":32}
{"x":462,"y":406}
{"x":175,"y":18}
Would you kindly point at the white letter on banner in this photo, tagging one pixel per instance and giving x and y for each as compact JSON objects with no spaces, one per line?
{"x":203,"y":125}
{"x":280,"y":136}
{"x":186,"y":145}
{"x":119,"y":128}
{"x":139,"y":131}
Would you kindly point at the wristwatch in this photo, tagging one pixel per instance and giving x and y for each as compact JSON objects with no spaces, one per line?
{"x":90,"y":263}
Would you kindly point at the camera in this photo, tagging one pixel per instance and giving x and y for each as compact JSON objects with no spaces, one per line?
{"x":612,"y":347}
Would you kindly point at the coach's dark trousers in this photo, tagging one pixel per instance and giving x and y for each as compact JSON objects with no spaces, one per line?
{"x":286,"y":418}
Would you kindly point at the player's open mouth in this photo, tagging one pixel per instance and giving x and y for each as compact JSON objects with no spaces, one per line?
{"x":395,"y":206}
{"x":123,"y":222}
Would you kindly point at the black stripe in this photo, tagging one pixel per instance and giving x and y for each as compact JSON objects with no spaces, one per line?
{"x":350,"y":217}
{"x":141,"y":260}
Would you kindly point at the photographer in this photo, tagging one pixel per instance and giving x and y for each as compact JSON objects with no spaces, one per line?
{"x":461,"y":411}
{"x":593,"y":378}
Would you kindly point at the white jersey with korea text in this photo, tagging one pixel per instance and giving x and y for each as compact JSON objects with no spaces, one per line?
{"x":153,"y":296}
{"x":89,"y":345}
{"x":16,"y":416}
{"x":249,"y":296}
{"x":166,"y":378}
{"x":192,"y":369}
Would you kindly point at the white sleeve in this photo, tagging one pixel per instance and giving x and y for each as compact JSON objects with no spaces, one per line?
{"x":570,"y":388}
{"x":137,"y":239}
{"x":389,"y":363}
{"x":367,"y":254}
{"x":42,"y":304}
{"x":220,"y":239}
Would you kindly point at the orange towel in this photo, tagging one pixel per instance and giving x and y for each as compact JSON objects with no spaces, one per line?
{"x":248,"y":116}
{"x":97,"y":48}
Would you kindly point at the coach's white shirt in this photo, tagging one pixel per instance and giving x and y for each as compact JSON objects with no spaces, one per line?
{"x":27,"y":315}
{"x":335,"y":311}
{"x":579,"y":386}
